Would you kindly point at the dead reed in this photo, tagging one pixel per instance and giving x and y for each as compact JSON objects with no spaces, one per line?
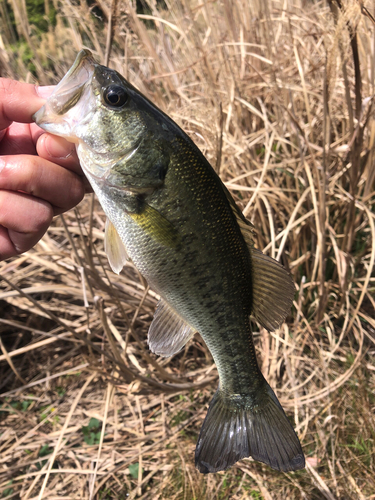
{"x":279,"y":97}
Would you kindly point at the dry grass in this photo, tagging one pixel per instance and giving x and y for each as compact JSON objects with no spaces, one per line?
{"x":278,"y":95}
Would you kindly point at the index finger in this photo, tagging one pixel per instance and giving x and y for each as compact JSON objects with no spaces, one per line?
{"x":19,"y":101}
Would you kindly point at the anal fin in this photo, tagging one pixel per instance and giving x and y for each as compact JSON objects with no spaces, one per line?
{"x":114,"y":248}
{"x":168,"y":332}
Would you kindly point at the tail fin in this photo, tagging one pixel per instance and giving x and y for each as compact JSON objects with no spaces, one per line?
{"x":263,"y":432}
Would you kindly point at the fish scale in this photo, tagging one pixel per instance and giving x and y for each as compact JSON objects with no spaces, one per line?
{"x":170,"y":213}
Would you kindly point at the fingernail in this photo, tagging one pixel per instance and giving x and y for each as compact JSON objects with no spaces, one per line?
{"x":58,"y":147}
{"x":45,"y":92}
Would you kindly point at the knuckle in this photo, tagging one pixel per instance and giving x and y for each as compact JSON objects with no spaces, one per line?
{"x":1,"y":205}
{"x":78,"y":190}
{"x":8,"y":89}
{"x":33,"y":175}
{"x":44,"y":217}
{"x":75,"y":192}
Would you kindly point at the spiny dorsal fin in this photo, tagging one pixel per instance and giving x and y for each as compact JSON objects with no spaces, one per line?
{"x":237,"y":211}
{"x":114,"y":248}
{"x":273,"y":288}
{"x":168,"y":332}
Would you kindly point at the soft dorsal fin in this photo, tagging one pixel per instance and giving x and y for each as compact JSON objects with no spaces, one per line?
{"x":246,"y":226}
{"x":272,"y":286}
{"x":273,"y":290}
{"x":168,"y":332}
{"x":114,"y":248}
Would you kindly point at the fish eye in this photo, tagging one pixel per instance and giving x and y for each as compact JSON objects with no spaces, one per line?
{"x":115,"y":96}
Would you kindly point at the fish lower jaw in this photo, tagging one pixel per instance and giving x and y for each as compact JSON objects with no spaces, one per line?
{"x":100,"y":164}
{"x":132,"y":190}
{"x":102,"y":180}
{"x":59,"y":128}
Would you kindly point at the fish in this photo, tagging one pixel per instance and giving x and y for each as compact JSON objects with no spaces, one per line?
{"x":168,"y":211}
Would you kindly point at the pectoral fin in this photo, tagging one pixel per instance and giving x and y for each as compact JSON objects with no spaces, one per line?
{"x":114,"y":248}
{"x":156,"y":225}
{"x":168,"y":332}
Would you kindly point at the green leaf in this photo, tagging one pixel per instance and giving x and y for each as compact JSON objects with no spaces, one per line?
{"x":60,"y":391}
{"x":92,"y":432}
{"x":45,"y":450}
{"x":94,"y":423}
{"x":25,"y":404}
{"x":8,"y":491}
{"x":134,"y":470}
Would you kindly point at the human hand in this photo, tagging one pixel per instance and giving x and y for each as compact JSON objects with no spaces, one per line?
{"x":40,"y":176}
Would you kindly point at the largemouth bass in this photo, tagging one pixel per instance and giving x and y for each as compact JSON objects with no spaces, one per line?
{"x":170,"y":213}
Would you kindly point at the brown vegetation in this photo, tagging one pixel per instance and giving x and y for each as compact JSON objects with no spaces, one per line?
{"x":279,"y":97}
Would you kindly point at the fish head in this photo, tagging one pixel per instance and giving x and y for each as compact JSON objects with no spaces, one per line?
{"x":116,"y":130}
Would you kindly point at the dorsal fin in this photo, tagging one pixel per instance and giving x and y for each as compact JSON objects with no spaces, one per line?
{"x":168,"y":332}
{"x":114,"y":248}
{"x":272,"y":286}
{"x":273,"y":290}
{"x":237,"y":212}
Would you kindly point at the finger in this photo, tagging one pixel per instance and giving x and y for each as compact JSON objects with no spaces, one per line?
{"x":23,"y":221}
{"x":60,"y":151}
{"x":43,"y":179}
{"x":17,"y":139}
{"x":20,"y":137}
{"x":19,"y":101}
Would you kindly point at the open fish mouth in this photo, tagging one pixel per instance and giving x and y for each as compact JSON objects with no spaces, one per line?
{"x":54,"y":116}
